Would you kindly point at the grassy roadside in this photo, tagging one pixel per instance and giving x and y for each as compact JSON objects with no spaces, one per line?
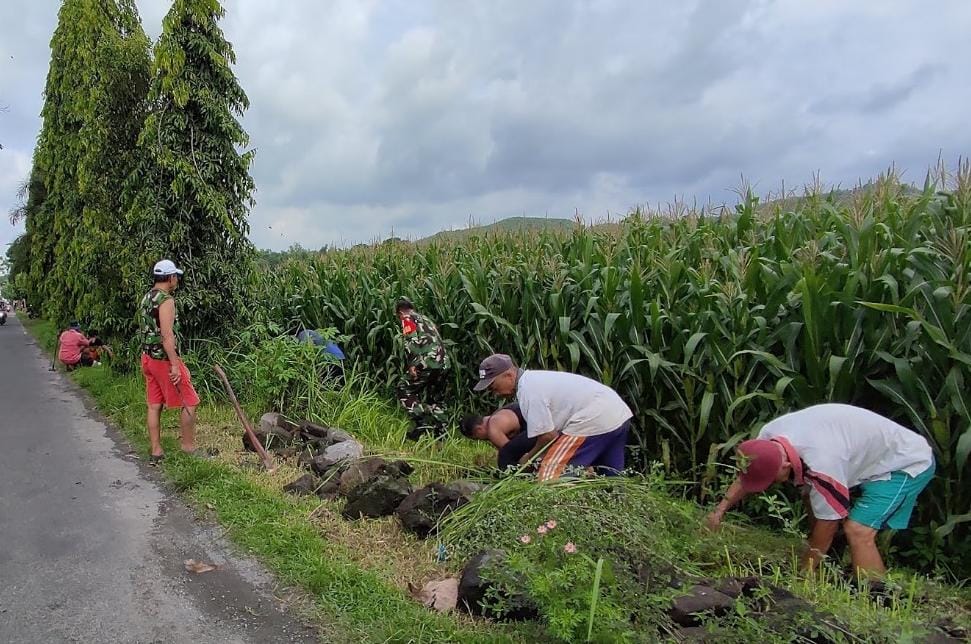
{"x":356,"y":604}
{"x":357,"y":572}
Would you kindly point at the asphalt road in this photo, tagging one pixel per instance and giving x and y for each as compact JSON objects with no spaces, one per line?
{"x":92,"y":545}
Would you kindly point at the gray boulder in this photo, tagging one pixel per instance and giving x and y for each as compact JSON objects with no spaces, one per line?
{"x":274,"y":420}
{"x":344,"y":451}
{"x":365,"y":469}
{"x":274,"y":439}
{"x":312,"y":432}
{"x":421,"y":510}
{"x":466,"y":487}
{"x":699,"y":600}
{"x":303,"y":486}
{"x":376,"y":497}
{"x":474,"y":586}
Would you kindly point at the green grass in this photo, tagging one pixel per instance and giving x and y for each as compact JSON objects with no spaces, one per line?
{"x":355,"y":571}
{"x":358,"y":605}
{"x":641,"y":522}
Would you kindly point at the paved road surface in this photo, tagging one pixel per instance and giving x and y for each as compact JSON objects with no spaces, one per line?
{"x":92,"y":546}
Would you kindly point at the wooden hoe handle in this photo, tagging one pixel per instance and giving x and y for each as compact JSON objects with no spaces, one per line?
{"x":267,"y":461}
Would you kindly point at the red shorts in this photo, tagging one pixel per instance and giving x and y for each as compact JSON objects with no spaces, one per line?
{"x":159,"y":388}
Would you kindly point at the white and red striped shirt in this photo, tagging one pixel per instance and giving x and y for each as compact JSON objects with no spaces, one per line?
{"x":835,"y":447}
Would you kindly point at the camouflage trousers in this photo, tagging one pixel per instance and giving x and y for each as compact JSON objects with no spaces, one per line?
{"x":423,"y":397}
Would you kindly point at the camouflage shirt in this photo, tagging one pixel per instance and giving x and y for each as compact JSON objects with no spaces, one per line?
{"x":149,"y":330}
{"x":424,"y":347}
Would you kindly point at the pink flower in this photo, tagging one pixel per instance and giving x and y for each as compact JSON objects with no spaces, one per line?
{"x":569,"y":548}
{"x":542,"y":529}
{"x":551,"y":524}
{"x":525,"y":538}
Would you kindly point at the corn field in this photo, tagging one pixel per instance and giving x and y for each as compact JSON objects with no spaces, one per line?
{"x":706,"y":325}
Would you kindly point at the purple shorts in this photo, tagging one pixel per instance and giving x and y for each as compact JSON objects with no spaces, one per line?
{"x":604,"y":452}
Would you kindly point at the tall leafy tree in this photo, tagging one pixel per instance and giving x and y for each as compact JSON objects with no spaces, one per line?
{"x":93,"y":110}
{"x":192,"y":191}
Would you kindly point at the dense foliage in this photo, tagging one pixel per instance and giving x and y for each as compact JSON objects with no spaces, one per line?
{"x":191,"y":191}
{"x":137,"y":160}
{"x":707,"y":326}
{"x":93,"y":109}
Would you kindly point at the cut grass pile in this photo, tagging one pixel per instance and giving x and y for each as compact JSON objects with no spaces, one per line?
{"x":357,"y":572}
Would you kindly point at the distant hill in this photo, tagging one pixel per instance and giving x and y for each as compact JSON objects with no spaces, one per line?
{"x":512,"y":224}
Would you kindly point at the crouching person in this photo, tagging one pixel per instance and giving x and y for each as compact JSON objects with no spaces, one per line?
{"x":580,"y":422}
{"x":75,"y":348}
{"x":829,"y":449}
{"x":506,"y":429}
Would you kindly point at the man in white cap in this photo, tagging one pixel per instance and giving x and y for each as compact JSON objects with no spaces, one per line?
{"x":580,"y":422}
{"x":167,"y":380}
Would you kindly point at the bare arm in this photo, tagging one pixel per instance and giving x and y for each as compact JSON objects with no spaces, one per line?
{"x":166,"y":322}
{"x":734,"y":494}
{"x":541,"y":441}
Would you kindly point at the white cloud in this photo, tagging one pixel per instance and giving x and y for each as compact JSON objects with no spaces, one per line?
{"x":414,"y":115}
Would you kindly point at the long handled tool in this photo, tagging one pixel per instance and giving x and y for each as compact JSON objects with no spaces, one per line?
{"x":267,"y":461}
{"x":57,"y":349}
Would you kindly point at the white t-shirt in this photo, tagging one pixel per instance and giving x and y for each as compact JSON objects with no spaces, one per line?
{"x":843,"y":446}
{"x":568,"y":403}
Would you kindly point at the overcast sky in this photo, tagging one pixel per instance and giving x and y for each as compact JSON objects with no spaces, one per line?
{"x":415,"y":115}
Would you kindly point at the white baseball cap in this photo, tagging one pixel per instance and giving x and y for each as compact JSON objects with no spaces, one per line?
{"x":166,"y":267}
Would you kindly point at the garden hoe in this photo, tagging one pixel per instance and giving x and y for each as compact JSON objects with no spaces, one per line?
{"x":267,"y":461}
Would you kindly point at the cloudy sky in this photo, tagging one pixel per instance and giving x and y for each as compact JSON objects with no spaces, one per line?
{"x":411,"y":116}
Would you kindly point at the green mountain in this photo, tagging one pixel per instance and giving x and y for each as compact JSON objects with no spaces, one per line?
{"x":512,"y":224}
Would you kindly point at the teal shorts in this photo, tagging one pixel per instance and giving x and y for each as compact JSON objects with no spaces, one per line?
{"x":889,"y":503}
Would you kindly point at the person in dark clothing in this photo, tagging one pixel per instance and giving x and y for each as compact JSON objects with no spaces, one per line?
{"x":506,"y":429}
{"x":422,"y":388}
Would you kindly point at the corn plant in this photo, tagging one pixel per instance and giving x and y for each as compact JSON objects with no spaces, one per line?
{"x":708,"y":323}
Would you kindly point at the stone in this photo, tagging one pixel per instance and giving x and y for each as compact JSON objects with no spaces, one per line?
{"x":421,"y":510}
{"x":312,"y":430}
{"x":324,"y":467}
{"x":329,"y":487}
{"x":377,"y":497}
{"x":273,"y":420}
{"x":699,"y":599}
{"x":736,"y":587}
{"x":947,"y":627}
{"x":466,"y":487}
{"x":786,"y":614}
{"x":339,"y":435}
{"x":364,"y":469}
{"x":474,"y":585}
{"x":440,"y":595}
{"x":303,"y":486}
{"x":360,"y":471}
{"x":272,"y":440}
{"x":346,"y":451}
{"x":316,"y":446}
{"x":401,"y":469}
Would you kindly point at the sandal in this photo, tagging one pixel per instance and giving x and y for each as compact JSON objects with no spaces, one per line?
{"x":155,"y":459}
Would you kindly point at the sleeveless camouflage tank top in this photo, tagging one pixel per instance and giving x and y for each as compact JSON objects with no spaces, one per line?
{"x":150,"y":331}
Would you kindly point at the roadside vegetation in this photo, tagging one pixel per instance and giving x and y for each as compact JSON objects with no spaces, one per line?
{"x":707,"y":322}
{"x":644,"y":532}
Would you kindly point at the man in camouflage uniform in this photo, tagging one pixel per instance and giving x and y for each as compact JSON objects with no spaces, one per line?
{"x":422,"y":387}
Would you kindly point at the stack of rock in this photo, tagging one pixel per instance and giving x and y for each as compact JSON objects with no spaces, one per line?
{"x":372,"y":486}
